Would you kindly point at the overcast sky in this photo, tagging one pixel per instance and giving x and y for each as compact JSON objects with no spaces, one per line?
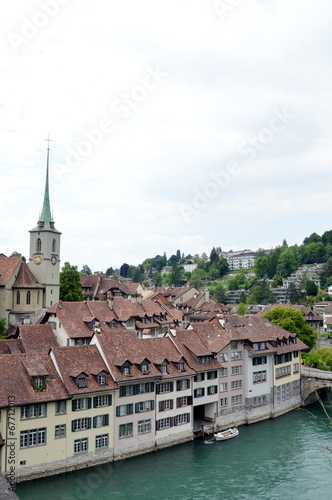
{"x":178,"y":124}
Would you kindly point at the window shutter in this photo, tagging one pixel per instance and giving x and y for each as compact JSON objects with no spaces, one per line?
{"x":178,"y":402}
{"x":110,"y":400}
{"x":189,"y":400}
{"x":171,"y":385}
{"x":136,"y":407}
{"x":94,"y":421}
{"x":175,"y":421}
{"x":74,"y":405}
{"x":158,"y":389}
{"x":118,"y":411}
{"x":130,"y":409}
{"x":152,"y":386}
{"x":89,"y":423}
{"x":89,"y":403}
{"x":178,"y":385}
{"x":152,"y":404}
{"x":157,"y":425}
{"x":136,"y":389}
{"x":203,"y":391}
{"x":105,"y":419}
{"x":188,"y":417}
{"x":73,"y":425}
{"x":161,"y":406}
{"x":171,"y":421}
{"x":188,"y":383}
{"x":172,"y":404}
{"x":95,"y":402}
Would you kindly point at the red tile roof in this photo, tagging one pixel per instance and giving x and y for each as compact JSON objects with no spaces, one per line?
{"x":7,"y":267}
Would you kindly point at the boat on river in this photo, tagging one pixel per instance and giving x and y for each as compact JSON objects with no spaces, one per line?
{"x":227,"y":434}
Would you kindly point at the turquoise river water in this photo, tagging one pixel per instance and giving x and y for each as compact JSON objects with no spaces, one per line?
{"x":287,"y":458}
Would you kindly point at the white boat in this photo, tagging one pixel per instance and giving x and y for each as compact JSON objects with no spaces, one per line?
{"x":227,"y":434}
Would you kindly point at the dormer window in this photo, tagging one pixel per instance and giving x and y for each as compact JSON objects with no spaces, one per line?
{"x":39,"y":383}
{"x":144,"y":368}
{"x":164,"y":369}
{"x":181,"y":366}
{"x":126,"y":369}
{"x":102,"y":379}
{"x":113,"y":324}
{"x":81,"y":381}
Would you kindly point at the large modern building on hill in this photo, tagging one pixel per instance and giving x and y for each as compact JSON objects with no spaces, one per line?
{"x":28,"y":290}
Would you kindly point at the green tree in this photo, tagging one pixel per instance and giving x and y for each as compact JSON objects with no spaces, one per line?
{"x":261,"y":266}
{"x":175,"y":276}
{"x":70,"y":284}
{"x":319,"y":358}
{"x":156,"y":278}
{"x":86,"y":270}
{"x":311,"y":288}
{"x":3,"y":328}
{"x":213,"y":256}
{"x":293,"y":321}
{"x":109,"y":271}
{"x":242,"y":308}
{"x":219,"y":294}
{"x":287,"y":263}
{"x":196,"y":276}
{"x":222,"y":266}
{"x":261,"y":294}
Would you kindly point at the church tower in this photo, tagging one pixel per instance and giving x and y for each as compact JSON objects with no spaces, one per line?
{"x":44,"y":259}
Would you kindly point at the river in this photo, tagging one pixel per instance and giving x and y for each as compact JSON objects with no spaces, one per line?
{"x":287,"y":458}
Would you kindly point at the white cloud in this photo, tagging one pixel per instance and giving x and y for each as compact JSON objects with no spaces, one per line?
{"x":225,"y":76}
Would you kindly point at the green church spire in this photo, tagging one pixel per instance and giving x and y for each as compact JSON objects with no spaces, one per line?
{"x":45,"y":221}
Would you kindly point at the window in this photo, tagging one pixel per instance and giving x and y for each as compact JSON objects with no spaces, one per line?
{"x":60,"y":431}
{"x":183,"y":384}
{"x":213,"y":389}
{"x":144,"y":406}
{"x":165,"y":387}
{"x":102,"y":441}
{"x":126,"y":370}
{"x":163,"y":369}
{"x":80,"y":445}
{"x":223,"y":387}
{"x":199,"y":393}
{"x":81,"y":381}
{"x":38,"y":245}
{"x":236,"y":384}
{"x":296,"y":354}
{"x":237,"y":370}
{"x":203,"y":360}
{"x":236,"y":399}
{"x":234,"y":344}
{"x":259,"y":360}
{"x":259,"y":346}
{"x":81,"y":404}
{"x":33,"y":437}
{"x":53,"y":246}
{"x":125,"y":430}
{"x":126,"y":390}
{"x":39,"y":383}
{"x":283,"y":358}
{"x":124,"y":410}
{"x":81,"y":424}
{"x":18,"y":298}
{"x":284,"y":371}
{"x":100,"y":420}
{"x":60,"y":407}
{"x":103,"y":400}
{"x":102,"y":379}
{"x":182,"y":419}
{"x":236,"y":355}
{"x":223,"y":372}
{"x":144,"y":388}
{"x":282,"y":393}
{"x":33,"y":411}
{"x":164,"y":423}
{"x":224,"y":402}
{"x":212,"y":375}
{"x":144,"y":368}
{"x":259,"y":377}
{"x":199,"y":377}
{"x":223,"y":356}
{"x":296,"y":368}
{"x":113,"y":324}
{"x":28,"y":297}
{"x":144,"y":426}
{"x":181,"y":366}
{"x":167,"y":404}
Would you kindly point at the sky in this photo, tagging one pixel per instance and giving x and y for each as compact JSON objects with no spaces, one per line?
{"x":179,"y":124}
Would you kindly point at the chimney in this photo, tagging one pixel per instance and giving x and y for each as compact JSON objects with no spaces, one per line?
{"x":207,"y":295}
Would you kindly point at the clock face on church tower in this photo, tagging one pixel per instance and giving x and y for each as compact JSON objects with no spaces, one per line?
{"x":37,"y":259}
{"x":54,"y":260}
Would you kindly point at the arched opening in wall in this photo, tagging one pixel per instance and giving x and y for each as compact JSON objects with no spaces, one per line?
{"x":28,"y":300}
{"x":38,"y":245}
{"x":18,"y":298}
{"x":54,"y":245}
